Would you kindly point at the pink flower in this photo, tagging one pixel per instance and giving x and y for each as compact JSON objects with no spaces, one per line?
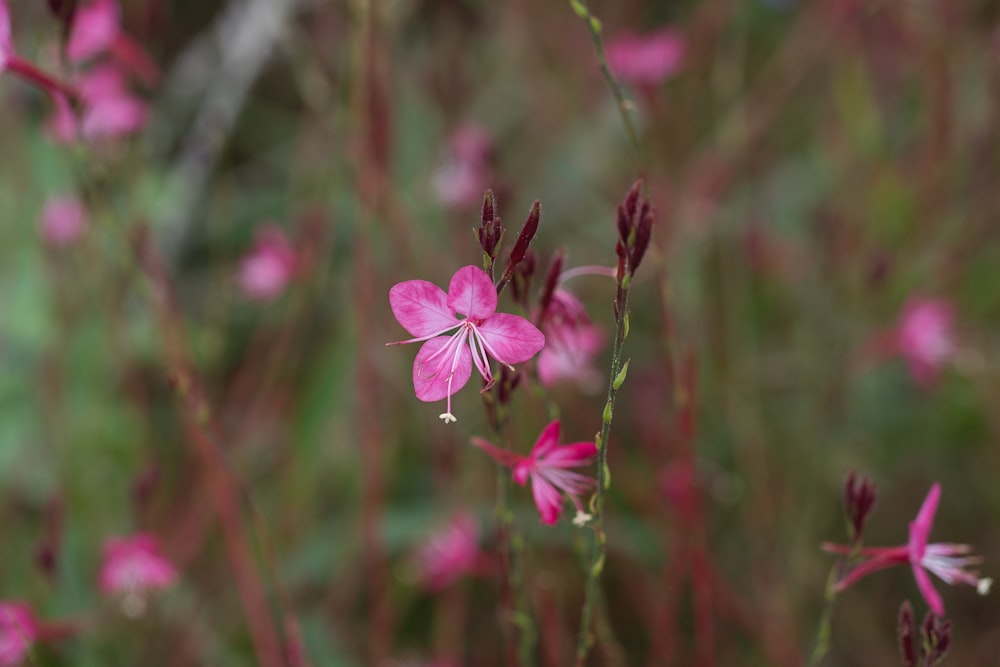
{"x":477,"y":332}
{"x":461,"y":181}
{"x":63,"y":220}
{"x":546,"y":467}
{"x":449,"y":553}
{"x":925,"y":338}
{"x":6,"y":41}
{"x":269,"y":266}
{"x":18,"y":631}
{"x":132,"y":568}
{"x":947,"y":561}
{"x":110,"y":110}
{"x":648,"y":59}
{"x":95,"y":28}
{"x":571,"y":342}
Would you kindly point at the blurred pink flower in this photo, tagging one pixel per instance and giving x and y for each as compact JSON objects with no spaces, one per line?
{"x":444,"y":364}
{"x":95,"y":28}
{"x":646,"y":59}
{"x":462,"y":179}
{"x":6,"y":41}
{"x":18,"y":631}
{"x":546,"y":467}
{"x":925,"y":338}
{"x":133,"y":567}
{"x":449,"y":553}
{"x":947,"y":561}
{"x":571,"y":342}
{"x":63,"y":220}
{"x":110,"y":110}
{"x":269,"y":266}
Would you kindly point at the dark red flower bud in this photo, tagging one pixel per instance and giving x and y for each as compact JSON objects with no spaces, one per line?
{"x":905,"y":631}
{"x":935,"y":635}
{"x":860,"y":494}
{"x":524,"y":237}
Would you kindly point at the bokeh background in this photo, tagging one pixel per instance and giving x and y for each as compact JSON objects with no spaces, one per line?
{"x":816,"y":166}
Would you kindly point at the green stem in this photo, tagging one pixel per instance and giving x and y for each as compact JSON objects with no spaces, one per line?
{"x":824,"y":626}
{"x":586,"y":639}
{"x":623,"y":103}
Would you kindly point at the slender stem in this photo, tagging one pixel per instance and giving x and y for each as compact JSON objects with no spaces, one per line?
{"x":824,"y":626}
{"x":28,"y":71}
{"x":586,"y":639}
{"x":623,"y":103}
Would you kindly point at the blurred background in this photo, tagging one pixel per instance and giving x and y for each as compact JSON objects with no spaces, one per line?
{"x":195,"y":257}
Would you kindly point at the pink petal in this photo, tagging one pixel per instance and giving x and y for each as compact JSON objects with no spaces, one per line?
{"x":63,"y":220}
{"x":471,"y":293}
{"x":646,"y":59}
{"x":6,"y":44}
{"x":432,"y":370}
{"x":61,"y":125}
{"x":421,"y":307}
{"x":547,"y":500}
{"x":511,"y":339}
{"x":547,"y":440}
{"x":94,"y":29}
{"x":927,"y":590}
{"x":576,"y":454}
{"x":114,"y":117}
{"x":920,"y":528}
{"x":501,"y":456}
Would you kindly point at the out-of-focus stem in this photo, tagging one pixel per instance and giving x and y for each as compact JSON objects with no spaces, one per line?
{"x":197,"y":421}
{"x":622,"y":102}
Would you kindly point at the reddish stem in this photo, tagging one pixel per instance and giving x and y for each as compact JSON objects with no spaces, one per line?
{"x":34,"y":75}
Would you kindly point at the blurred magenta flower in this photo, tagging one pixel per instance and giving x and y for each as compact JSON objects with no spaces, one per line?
{"x":133,"y":567}
{"x":546,"y":467}
{"x":947,"y":561}
{"x":449,"y":553}
{"x":110,"y":110}
{"x":269,"y":266}
{"x":646,"y":60}
{"x":6,"y":41}
{"x":18,"y":631}
{"x":925,"y":337}
{"x":462,"y":179}
{"x":571,"y":341}
{"x":444,"y":364}
{"x":95,"y":28}
{"x":63,"y":220}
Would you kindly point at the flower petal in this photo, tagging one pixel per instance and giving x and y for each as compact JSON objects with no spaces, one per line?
{"x":576,"y":454}
{"x":511,"y":339}
{"x":95,"y":28}
{"x":927,"y":590}
{"x":547,"y":440}
{"x":6,"y":43}
{"x":421,"y":307}
{"x":547,"y":500}
{"x":471,"y":293}
{"x":501,"y":456}
{"x":439,"y":360}
{"x":920,"y":528}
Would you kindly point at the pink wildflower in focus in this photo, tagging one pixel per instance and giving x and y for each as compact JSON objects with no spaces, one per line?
{"x":63,"y":220}
{"x":18,"y":631}
{"x":925,"y":338}
{"x":460,"y":182}
{"x":477,"y":332}
{"x":95,"y":28}
{"x":571,"y":343}
{"x":132,"y":568}
{"x":646,"y":60}
{"x":947,"y":561}
{"x":449,"y":553}
{"x":547,"y":468}
{"x":268,"y":268}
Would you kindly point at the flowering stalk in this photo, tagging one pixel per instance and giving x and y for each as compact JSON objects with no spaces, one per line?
{"x":511,"y":542}
{"x":624,"y":105}
{"x":635,"y":220}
